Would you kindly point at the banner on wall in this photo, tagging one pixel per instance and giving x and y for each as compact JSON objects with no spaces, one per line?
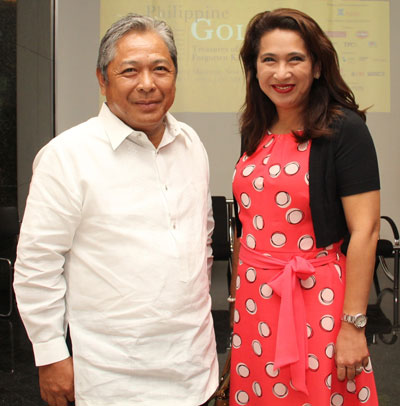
{"x":209,"y":35}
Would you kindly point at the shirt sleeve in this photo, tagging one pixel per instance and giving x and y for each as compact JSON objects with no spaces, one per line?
{"x":355,"y":160}
{"x":51,"y":216}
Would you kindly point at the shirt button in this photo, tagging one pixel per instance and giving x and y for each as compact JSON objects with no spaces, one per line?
{"x":166,"y":187}
{"x":174,"y":226}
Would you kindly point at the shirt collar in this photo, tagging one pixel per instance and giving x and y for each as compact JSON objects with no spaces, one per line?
{"x":117,"y":131}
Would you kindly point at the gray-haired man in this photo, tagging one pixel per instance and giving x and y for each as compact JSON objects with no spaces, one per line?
{"x":115,"y":242}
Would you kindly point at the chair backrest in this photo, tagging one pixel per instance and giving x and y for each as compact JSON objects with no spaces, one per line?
{"x":9,"y":223}
{"x":220,"y":239}
{"x":9,"y":230}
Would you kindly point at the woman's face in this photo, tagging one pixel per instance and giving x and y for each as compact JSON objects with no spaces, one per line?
{"x":285,"y":70}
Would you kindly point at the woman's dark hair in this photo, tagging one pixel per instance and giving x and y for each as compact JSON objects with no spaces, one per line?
{"x":327,"y":94}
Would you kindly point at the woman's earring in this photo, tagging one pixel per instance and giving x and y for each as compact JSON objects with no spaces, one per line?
{"x":317,"y":75}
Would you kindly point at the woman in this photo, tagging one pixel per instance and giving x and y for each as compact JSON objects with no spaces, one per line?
{"x":308,"y":177}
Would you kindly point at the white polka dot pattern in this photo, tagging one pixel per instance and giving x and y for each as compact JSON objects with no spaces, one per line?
{"x":313,"y":362}
{"x":303,"y":146}
{"x":270,"y":142}
{"x":294,"y":216}
{"x":326,"y":296}
{"x":251,"y":275}
{"x":238,"y":282}
{"x":339,"y":270}
{"x":242,"y":370}
{"x":283,"y":199}
{"x":266,"y":159}
{"x":248,"y":170}
{"x":241,"y":397}
{"x":351,"y":386}
{"x":258,"y":222}
{"x":236,"y":341}
{"x":368,"y":368}
{"x":322,"y":254}
{"x":337,"y":399}
{"x":271,"y":371}
{"x":327,"y":323}
{"x":251,"y":306}
{"x":330,"y":350}
{"x":274,"y":171}
{"x":245,"y":200}
{"x":264,"y":329}
{"x":257,"y":389}
{"x":364,"y":394}
{"x":256,"y":345}
{"x":258,"y":184}
{"x":291,"y":168}
{"x":278,"y":240}
{"x":306,"y":242}
{"x":308,"y":283}
{"x":266,"y":291}
{"x":310,"y":331}
{"x":280,"y":390}
{"x":328,"y":381}
{"x":251,"y":241}
{"x":271,"y":189}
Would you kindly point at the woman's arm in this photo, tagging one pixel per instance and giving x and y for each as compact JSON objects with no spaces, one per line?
{"x":362,"y":212}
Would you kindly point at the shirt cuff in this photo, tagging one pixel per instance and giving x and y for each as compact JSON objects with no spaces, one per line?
{"x":50,"y":351}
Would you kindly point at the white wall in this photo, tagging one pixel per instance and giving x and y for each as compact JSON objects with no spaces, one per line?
{"x":385,"y":129}
{"x":77,"y":41}
{"x":34,"y":86}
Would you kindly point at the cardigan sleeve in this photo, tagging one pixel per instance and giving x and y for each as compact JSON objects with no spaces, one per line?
{"x":341,"y":165}
{"x":356,"y":164}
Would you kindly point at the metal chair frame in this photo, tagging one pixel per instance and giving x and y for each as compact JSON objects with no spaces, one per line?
{"x":227,"y":234}
{"x":392,"y":275}
{"x":9,"y":229}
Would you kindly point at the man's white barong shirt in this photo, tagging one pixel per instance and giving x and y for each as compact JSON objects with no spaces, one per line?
{"x":115,"y":243}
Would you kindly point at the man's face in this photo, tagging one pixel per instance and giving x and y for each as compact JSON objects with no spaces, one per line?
{"x":141,"y":82}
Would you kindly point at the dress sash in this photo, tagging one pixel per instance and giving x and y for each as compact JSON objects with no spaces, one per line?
{"x":291,"y":342}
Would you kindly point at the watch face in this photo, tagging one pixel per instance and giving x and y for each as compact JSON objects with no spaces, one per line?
{"x":360,"y":321}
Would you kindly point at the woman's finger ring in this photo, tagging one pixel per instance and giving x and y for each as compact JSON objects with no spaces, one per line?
{"x":359,"y":370}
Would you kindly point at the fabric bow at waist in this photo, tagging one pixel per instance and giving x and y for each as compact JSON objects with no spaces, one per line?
{"x":291,"y":341}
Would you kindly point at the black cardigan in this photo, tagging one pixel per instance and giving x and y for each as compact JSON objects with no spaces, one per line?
{"x":340,"y":165}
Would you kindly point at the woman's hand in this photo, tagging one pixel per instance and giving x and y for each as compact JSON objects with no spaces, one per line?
{"x":351,"y":352}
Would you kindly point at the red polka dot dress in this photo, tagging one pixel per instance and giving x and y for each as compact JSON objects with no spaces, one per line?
{"x":290,"y":293}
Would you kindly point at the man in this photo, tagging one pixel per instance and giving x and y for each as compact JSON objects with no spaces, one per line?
{"x":115,"y":242}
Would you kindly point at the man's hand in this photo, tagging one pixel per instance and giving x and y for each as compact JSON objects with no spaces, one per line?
{"x":57,"y":382}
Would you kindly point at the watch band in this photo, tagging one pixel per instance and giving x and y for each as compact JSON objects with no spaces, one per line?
{"x":358,"y":320}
